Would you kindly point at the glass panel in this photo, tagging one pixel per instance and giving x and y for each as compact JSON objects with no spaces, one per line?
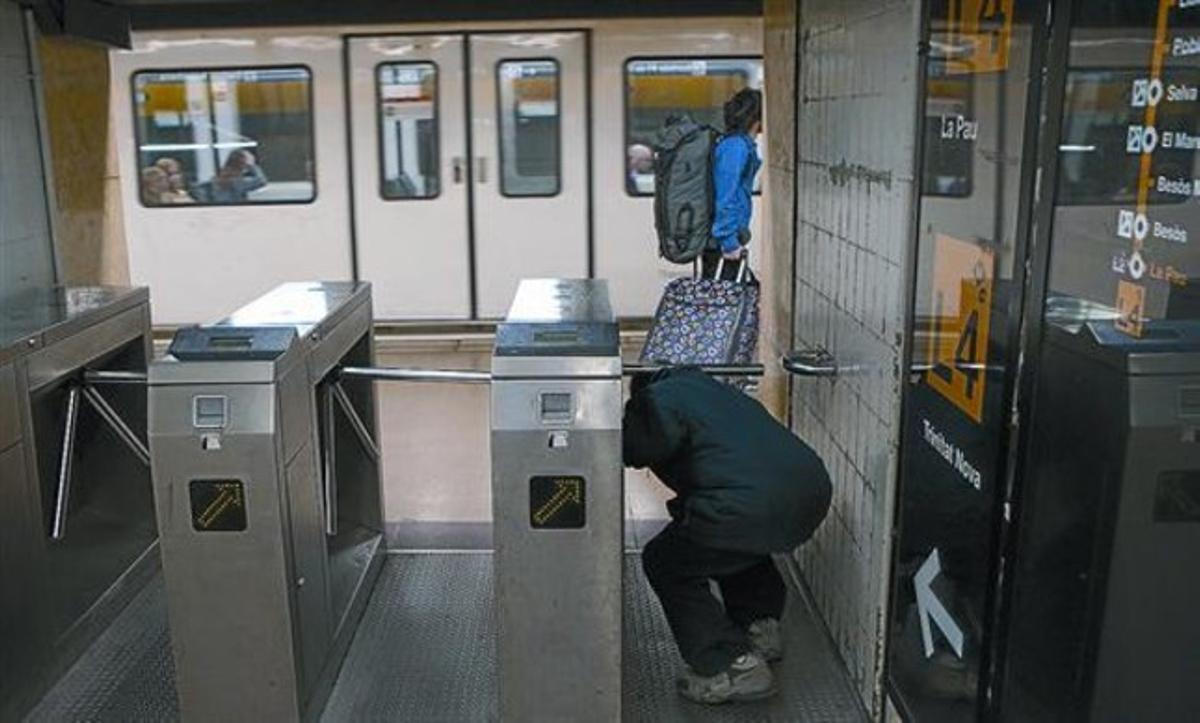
{"x":658,"y":88}
{"x":408,"y":130}
{"x":1098,"y":607}
{"x":529,"y":127}
{"x":225,"y":137}
{"x":1128,"y":164}
{"x":947,"y":165}
{"x":966,"y":297}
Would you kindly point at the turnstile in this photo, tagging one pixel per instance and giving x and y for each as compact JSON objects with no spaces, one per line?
{"x":266,"y":477}
{"x":1103,"y":623}
{"x":77,"y":528}
{"x":557,"y":491}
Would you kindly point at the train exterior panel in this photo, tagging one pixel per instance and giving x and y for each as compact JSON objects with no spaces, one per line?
{"x":440,"y":162}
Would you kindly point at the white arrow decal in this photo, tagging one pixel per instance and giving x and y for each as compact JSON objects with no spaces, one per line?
{"x":928,"y":606}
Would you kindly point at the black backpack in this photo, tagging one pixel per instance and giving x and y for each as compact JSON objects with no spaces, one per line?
{"x":683,"y":188}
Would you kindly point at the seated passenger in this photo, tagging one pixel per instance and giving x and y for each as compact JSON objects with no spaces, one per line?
{"x":639,"y":168}
{"x":176,"y":184}
{"x":153,"y":185}
{"x":237,"y":178}
{"x":745,"y":487}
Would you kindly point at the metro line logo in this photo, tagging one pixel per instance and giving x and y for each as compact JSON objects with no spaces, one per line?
{"x":962,"y":312}
{"x":984,"y":27}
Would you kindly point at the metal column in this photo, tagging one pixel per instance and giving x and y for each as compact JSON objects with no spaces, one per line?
{"x":557,"y":496}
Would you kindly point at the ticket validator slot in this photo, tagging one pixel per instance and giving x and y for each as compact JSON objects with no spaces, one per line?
{"x":268,"y":490}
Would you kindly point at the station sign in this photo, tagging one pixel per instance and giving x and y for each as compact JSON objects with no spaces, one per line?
{"x":962,"y":303}
{"x":983,"y":29}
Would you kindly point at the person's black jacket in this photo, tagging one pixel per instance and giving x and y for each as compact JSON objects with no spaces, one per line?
{"x":744,"y":482}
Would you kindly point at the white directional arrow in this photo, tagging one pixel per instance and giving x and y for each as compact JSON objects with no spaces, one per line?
{"x":928,"y":606}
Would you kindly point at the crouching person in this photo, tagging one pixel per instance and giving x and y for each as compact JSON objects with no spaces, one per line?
{"x":745,"y":487}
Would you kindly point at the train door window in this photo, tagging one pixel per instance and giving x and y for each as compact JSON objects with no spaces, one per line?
{"x":408,"y":130}
{"x":222,"y":137}
{"x":528,"y":124}
{"x":658,"y":88}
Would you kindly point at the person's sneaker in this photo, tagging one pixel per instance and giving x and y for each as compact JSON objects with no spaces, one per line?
{"x":766,"y":639}
{"x":748,"y":678}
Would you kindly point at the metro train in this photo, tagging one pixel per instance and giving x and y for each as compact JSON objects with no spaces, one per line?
{"x":440,"y":163}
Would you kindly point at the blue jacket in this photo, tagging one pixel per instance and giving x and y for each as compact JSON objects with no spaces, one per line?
{"x":735,"y":163}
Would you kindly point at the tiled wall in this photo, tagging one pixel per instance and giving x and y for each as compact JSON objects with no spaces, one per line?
{"x":25,"y":250}
{"x":854,"y":189}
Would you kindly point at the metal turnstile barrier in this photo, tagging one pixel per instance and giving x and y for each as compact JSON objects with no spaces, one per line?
{"x":557,"y":496}
{"x":77,"y":527}
{"x":267,"y":483}
{"x":558,"y":503}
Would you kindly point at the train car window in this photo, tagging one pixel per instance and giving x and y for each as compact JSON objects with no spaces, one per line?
{"x":947,"y":167}
{"x":408,"y":130}
{"x":1095,"y":167}
{"x":529,"y":129}
{"x":224,"y":137}
{"x":657,"y":88}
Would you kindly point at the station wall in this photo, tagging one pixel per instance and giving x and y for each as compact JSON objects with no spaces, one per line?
{"x":26,"y":255}
{"x":88,"y":219}
{"x":855,"y":126}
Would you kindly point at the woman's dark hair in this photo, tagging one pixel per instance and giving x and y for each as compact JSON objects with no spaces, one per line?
{"x":743,"y":110}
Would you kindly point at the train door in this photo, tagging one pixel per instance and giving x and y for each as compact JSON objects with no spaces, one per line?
{"x":463,"y":184}
{"x":529,"y":142}
{"x":409,"y":144}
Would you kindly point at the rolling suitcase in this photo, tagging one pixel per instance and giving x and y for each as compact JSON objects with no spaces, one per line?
{"x":706,"y":321}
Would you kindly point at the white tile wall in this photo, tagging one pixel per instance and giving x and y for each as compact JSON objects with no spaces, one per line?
{"x":25,"y":252}
{"x":855,"y":185}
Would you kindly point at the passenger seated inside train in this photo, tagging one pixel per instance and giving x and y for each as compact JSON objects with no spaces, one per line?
{"x":745,"y":487}
{"x":176,"y":183}
{"x":239,"y":175}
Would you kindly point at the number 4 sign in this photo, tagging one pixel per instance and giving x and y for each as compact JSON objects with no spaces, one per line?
{"x":962,"y":305}
{"x":984,"y":26}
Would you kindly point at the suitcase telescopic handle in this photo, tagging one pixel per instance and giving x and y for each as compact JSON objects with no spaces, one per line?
{"x":741,"y":265}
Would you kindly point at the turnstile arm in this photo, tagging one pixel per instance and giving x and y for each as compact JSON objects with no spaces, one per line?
{"x":356,"y":422}
{"x":114,"y":421}
{"x":393,"y":374}
{"x":98,"y":376}
{"x":62,"y":498}
{"x":716,"y":370}
{"x":329,"y":458}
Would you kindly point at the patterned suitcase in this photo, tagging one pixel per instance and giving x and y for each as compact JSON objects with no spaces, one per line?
{"x":705,"y":321}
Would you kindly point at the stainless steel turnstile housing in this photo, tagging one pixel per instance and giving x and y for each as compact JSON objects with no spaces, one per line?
{"x":77,"y":527}
{"x":557,"y":490}
{"x":266,"y":479}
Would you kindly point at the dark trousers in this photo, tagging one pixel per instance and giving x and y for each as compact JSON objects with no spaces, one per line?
{"x":711,"y":636}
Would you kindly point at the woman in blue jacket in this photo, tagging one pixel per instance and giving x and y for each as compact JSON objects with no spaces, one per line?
{"x":735,"y":164}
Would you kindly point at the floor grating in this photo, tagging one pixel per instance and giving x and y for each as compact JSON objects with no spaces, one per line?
{"x":425,"y":651}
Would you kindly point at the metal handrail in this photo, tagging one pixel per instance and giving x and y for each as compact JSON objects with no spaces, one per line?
{"x":811,"y":363}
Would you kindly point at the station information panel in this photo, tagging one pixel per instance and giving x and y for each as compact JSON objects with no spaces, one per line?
{"x":965,"y":300}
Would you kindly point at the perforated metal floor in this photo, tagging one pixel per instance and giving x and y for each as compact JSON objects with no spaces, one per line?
{"x":425,"y":651}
